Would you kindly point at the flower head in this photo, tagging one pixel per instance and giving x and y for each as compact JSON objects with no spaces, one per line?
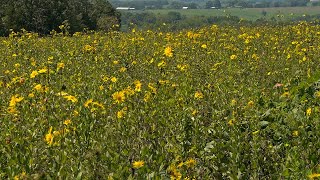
{"x":190,"y":162}
{"x":67,"y":122}
{"x":198,"y":95}
{"x":137,"y":164}
{"x":168,"y":51}
{"x":118,"y":97}
{"x":71,"y":98}
{"x":14,"y":100}
{"x":34,"y":74}
{"x":308,"y":111}
{"x":233,"y":57}
{"x":49,"y":137}
{"x":314,"y":175}
{"x":138,"y":85}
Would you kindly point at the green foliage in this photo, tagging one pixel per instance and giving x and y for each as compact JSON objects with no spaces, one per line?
{"x":42,"y":16}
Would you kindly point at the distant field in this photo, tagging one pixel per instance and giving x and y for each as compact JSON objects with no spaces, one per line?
{"x":247,"y":13}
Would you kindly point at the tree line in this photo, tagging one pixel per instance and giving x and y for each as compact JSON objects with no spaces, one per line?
{"x":43,"y":16}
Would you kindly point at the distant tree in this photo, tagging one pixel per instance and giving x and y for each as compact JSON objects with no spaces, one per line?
{"x":42,"y":16}
{"x":217,"y":3}
{"x":262,"y":4}
{"x":193,"y":6}
{"x":294,"y":3}
{"x":137,"y":4}
{"x":275,"y":4}
{"x":2,"y":28}
{"x":209,"y":4}
{"x":315,"y":3}
{"x":231,"y":3}
{"x":176,"y":5}
{"x":244,"y":4}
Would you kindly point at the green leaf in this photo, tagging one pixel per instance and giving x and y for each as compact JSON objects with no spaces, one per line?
{"x":263,"y":124}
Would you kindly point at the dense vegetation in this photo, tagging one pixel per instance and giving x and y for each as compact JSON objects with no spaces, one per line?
{"x":43,"y":16}
{"x":233,"y":102}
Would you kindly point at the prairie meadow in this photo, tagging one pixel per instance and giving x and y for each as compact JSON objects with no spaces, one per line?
{"x":219,"y":102}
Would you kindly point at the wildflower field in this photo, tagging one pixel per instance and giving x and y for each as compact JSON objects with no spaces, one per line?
{"x":210,"y":103}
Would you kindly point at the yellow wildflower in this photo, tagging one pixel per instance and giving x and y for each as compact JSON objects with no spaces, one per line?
{"x":114,"y":79}
{"x":137,"y":164}
{"x":190,"y":162}
{"x":56,"y":133}
{"x":285,"y":94}
{"x":194,"y":112}
{"x":180,"y":164}
{"x":67,"y":122}
{"x":50,"y":58}
{"x":86,"y":104}
{"x":162,"y":82}
{"x":119,"y":97}
{"x":175,"y":174}
{"x":168,"y":51}
{"x":34,"y":74}
{"x":38,"y":87}
{"x":250,"y":103}
{"x":129,"y":91}
{"x":44,"y":70}
{"x":162,"y":64}
{"x":231,"y":122}
{"x":153,"y":89}
{"x":98,"y":104}
{"x":122,"y":69}
{"x":147,"y":96}
{"x":12,"y":110}
{"x":14,"y":100}
{"x":120,"y":114}
{"x":233,"y":57}
{"x":233,"y":102}
{"x":198,"y":95}
{"x":75,"y":113}
{"x":88,"y":48}
{"x":308,"y":111}
{"x":71,"y":98}
{"x":62,"y":93}
{"x":314,"y":175}
{"x":138,"y":85}
{"x":60,"y":66}
{"x":49,"y":137}
{"x":295,"y":133}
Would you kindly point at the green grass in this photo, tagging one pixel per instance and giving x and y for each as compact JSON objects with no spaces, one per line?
{"x":248,"y":13}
